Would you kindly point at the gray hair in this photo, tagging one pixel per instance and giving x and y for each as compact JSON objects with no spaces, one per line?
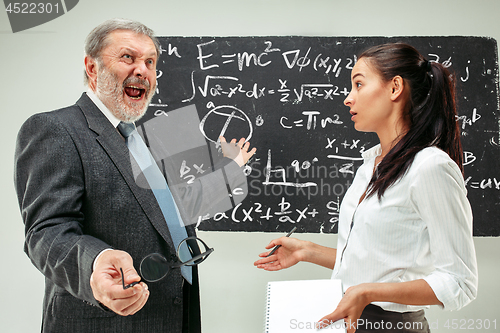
{"x":97,"y":39}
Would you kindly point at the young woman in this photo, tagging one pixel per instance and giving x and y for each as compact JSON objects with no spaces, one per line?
{"x":405,"y":230}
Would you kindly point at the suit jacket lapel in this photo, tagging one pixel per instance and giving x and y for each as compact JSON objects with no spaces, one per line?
{"x":114,"y":145}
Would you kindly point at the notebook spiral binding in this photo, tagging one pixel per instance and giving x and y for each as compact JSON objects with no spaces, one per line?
{"x":268,"y":307}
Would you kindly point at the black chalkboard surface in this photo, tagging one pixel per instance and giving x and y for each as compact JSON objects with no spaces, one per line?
{"x":285,"y":94}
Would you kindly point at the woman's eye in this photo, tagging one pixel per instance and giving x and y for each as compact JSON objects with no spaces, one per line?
{"x":358,"y":84}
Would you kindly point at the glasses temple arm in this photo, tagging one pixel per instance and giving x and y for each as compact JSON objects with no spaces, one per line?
{"x":204,"y":254}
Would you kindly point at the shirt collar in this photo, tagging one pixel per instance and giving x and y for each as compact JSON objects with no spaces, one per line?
{"x":372,"y":152}
{"x":100,"y":105}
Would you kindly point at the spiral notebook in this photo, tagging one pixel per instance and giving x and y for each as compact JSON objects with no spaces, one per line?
{"x":296,"y":306}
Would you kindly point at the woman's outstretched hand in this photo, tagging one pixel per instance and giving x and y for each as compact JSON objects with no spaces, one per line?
{"x":288,"y":254}
{"x":293,"y":250}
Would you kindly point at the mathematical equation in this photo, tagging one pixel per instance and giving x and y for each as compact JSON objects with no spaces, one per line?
{"x":209,"y":57}
{"x":286,"y":96}
{"x":284,"y":213}
{"x":230,"y":87}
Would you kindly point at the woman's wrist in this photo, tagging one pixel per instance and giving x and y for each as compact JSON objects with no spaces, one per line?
{"x":317,"y":254}
{"x":306,"y":253}
{"x":367,"y":293}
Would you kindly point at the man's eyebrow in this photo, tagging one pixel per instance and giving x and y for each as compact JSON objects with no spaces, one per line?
{"x":153,"y":54}
{"x":135,"y":52}
{"x":128,"y":50}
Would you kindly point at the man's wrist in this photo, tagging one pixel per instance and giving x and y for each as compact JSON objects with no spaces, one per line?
{"x":97,"y":258}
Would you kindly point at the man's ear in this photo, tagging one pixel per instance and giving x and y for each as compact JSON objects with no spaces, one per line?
{"x":397,"y":87}
{"x":91,"y":70}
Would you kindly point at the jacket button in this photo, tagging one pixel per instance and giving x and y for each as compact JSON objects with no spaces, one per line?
{"x":177,"y":301}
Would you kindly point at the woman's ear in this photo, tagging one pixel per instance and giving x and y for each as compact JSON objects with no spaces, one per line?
{"x":397,"y":87}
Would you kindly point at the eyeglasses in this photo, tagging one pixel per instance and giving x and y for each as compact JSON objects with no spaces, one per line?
{"x":155,"y":266}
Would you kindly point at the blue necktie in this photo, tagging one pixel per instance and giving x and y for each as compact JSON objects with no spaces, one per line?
{"x":159,"y":186}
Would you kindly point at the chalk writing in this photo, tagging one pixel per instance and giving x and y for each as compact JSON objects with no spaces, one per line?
{"x":280,"y":172}
{"x":285,"y":95}
{"x":310,"y":120}
{"x":222,"y":112}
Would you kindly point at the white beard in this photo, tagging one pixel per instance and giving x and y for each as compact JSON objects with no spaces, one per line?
{"x":110,"y":92}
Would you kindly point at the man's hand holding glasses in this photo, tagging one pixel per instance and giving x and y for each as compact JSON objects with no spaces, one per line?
{"x":155,"y":266}
{"x":116,"y":284}
{"x":106,"y":282}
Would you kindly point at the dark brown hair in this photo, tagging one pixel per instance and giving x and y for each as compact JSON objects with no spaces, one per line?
{"x":430,"y":110}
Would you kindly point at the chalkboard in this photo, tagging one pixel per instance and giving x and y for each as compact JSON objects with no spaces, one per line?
{"x":285,"y":94}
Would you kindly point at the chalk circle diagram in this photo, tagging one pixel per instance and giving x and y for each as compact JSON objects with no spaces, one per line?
{"x":227,"y":121}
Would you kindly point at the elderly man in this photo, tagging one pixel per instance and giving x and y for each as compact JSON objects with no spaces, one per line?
{"x":86,"y":217}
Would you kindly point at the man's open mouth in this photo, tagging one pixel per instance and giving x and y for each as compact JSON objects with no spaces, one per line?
{"x":135,"y":92}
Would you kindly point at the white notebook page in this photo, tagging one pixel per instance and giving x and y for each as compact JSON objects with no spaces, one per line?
{"x":295,"y":306}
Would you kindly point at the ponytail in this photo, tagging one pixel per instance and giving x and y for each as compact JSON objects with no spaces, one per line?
{"x":430,"y":110}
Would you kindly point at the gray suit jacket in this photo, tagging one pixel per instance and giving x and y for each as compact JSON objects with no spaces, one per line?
{"x":78,"y":196}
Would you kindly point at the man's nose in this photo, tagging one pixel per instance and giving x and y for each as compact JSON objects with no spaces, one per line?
{"x":140,"y":69}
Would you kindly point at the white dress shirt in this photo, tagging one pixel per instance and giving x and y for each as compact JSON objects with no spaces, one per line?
{"x":420,"y":229}
{"x":100,"y":105}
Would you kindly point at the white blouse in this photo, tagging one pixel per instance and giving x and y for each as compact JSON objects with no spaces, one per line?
{"x":420,"y":229}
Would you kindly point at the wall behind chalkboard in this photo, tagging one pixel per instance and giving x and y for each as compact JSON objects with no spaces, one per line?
{"x":285,"y":94}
